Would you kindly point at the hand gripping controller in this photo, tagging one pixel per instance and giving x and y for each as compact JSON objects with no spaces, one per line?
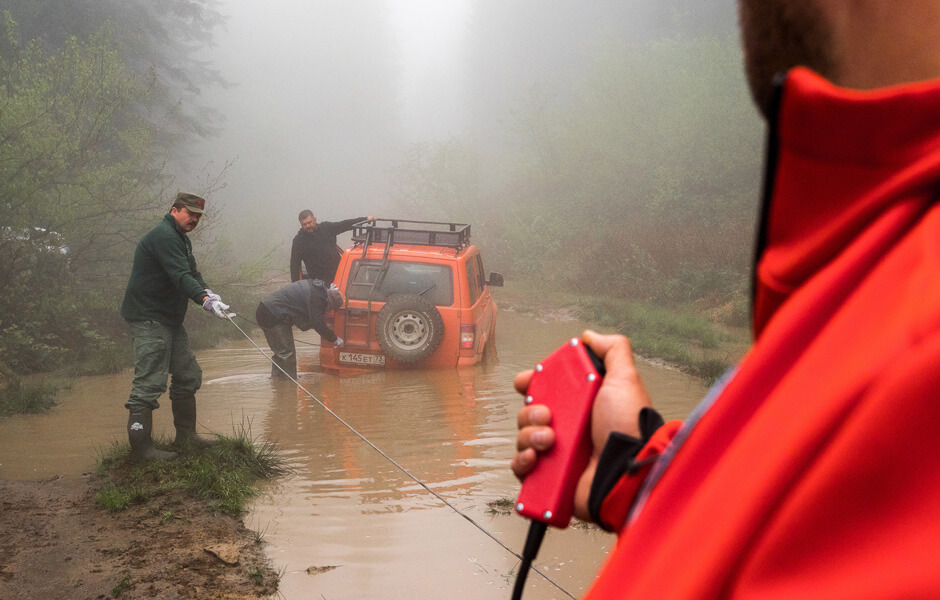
{"x":566,"y":381}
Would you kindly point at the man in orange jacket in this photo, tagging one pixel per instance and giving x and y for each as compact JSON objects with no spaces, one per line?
{"x":809,"y":471}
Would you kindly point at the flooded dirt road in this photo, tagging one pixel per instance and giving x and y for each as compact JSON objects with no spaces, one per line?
{"x":347,"y":523}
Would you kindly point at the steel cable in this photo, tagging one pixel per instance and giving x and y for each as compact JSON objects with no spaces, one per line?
{"x":394,"y":462}
{"x":296,"y":341}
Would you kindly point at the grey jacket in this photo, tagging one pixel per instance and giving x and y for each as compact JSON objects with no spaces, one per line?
{"x":302,"y":304}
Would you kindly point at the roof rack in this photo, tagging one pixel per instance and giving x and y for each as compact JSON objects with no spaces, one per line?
{"x":418,"y":233}
{"x":389,"y":232}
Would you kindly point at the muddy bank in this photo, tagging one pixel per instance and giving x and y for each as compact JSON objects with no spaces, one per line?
{"x":57,"y":543}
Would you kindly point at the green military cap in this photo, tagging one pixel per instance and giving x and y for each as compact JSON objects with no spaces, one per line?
{"x":193,"y":202}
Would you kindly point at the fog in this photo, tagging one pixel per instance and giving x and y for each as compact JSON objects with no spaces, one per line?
{"x":327,"y":95}
{"x":603,"y":147}
{"x":308,"y":121}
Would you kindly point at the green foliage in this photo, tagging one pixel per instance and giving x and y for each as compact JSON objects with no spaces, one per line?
{"x":18,"y":397}
{"x":124,"y":584}
{"x":677,"y":336}
{"x":690,"y":339}
{"x":501,"y":506}
{"x":113,"y":498}
{"x":78,"y":167}
{"x":257,"y":574}
{"x":440,"y":180}
{"x":224,"y":475}
{"x":652,"y":174}
{"x":207,"y":331}
{"x":641,"y":183}
{"x":160,"y":40}
{"x":82,"y":176}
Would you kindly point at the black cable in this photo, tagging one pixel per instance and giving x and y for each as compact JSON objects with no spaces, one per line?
{"x":533,"y":542}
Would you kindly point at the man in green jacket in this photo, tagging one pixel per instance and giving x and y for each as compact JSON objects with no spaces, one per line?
{"x":163,"y":280}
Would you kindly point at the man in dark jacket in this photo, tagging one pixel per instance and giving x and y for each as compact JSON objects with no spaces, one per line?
{"x":315,"y":247}
{"x":164,"y":278}
{"x":302,"y":304}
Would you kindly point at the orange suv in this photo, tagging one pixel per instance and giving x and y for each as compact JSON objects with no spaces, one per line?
{"x":416,"y":297}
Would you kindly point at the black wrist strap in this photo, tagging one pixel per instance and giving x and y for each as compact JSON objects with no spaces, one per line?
{"x":618,"y":459}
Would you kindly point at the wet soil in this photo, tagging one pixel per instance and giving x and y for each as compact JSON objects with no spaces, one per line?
{"x":57,"y":543}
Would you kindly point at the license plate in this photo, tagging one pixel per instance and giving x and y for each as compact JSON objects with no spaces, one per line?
{"x":377,"y":360}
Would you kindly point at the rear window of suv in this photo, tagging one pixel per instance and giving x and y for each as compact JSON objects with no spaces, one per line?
{"x":430,"y":281}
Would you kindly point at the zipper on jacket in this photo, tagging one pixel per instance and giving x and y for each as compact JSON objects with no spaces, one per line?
{"x":770,"y":177}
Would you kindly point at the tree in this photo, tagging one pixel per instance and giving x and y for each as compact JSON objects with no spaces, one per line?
{"x":79,"y":172}
{"x":157,"y":40}
{"x":639,"y":181}
{"x":653,"y":173}
{"x":669,"y":149}
{"x":440,"y":180}
{"x":516,"y":44}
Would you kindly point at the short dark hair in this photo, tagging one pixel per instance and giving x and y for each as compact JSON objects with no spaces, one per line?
{"x":304,"y":214}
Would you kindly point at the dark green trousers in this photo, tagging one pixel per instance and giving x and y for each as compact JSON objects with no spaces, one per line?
{"x":161,"y":351}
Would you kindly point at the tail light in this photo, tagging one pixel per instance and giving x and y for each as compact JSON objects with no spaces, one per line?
{"x":467,"y":336}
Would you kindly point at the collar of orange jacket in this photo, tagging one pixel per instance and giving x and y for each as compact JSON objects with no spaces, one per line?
{"x":840,"y":159}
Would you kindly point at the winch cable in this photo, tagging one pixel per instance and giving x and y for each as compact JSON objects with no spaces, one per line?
{"x":304,"y":342}
{"x":395,"y":463}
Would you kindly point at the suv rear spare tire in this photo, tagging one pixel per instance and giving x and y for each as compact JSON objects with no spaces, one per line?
{"x":409,"y":327}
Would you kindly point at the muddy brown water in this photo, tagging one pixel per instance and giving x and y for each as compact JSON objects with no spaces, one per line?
{"x":347,"y":523}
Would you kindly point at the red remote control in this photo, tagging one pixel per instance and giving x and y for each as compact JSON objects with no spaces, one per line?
{"x":566,"y":381}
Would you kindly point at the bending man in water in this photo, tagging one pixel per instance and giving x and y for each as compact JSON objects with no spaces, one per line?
{"x":300,"y":304}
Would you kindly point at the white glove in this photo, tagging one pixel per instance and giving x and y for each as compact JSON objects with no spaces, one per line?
{"x":217,"y":307}
{"x":338,"y":342}
{"x":212,"y":295}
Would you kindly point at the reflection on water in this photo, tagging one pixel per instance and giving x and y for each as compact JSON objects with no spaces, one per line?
{"x":346,"y":505}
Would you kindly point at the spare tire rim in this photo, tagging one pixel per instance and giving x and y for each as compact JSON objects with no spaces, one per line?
{"x":409,"y":330}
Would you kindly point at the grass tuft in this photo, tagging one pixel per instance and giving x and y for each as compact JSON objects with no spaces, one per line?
{"x":19,"y":397}
{"x":690,"y":337}
{"x":124,"y":584}
{"x":224,"y":474}
{"x":502,"y":506}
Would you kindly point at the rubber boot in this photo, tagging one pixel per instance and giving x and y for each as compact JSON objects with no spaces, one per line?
{"x":281,"y":341}
{"x":184,"y":418}
{"x":139,"y":430}
{"x":287,"y":364}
